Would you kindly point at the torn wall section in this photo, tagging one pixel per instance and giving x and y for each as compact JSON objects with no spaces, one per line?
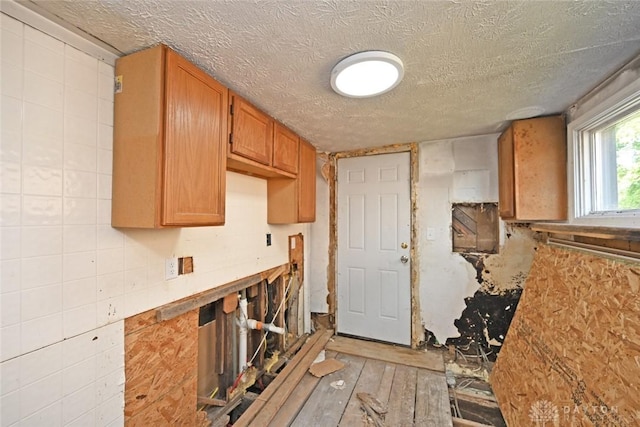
{"x":501,"y":277}
{"x":466,"y":296}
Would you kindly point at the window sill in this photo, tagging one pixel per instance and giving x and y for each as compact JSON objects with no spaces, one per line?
{"x":608,"y":233}
{"x":610,"y":241}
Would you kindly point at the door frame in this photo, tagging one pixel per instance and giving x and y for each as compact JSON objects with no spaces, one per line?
{"x":332,"y":270}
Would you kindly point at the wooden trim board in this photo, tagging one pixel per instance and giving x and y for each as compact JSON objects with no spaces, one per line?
{"x":389,"y":353}
{"x":597,"y":232}
{"x":174,"y":309}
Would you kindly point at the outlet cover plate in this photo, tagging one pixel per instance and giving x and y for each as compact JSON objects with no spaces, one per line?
{"x":171,"y":268}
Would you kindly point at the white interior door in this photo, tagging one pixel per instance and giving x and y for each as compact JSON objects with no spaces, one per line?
{"x":374,"y":230}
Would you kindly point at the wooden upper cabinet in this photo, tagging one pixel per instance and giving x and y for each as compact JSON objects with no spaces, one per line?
{"x":294,"y":200}
{"x":285,"y":149}
{"x":307,"y":183}
{"x":170,"y":133}
{"x":251,"y":132}
{"x":506,"y":180}
{"x":258,"y":145}
{"x":532,"y":169}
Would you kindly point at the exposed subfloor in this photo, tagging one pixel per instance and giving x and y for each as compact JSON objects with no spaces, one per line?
{"x":410,"y":384}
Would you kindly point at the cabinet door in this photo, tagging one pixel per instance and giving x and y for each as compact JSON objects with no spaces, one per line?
{"x":285,"y":149}
{"x":506,"y":176}
{"x":307,"y":183}
{"x":194,"y":150}
{"x":540,"y":168}
{"x":294,"y":200}
{"x":252,"y":132}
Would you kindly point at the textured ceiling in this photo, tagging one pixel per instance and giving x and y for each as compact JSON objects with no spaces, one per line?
{"x":468,"y":65}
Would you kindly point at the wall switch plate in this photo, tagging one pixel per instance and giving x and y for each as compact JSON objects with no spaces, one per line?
{"x":170,"y":268}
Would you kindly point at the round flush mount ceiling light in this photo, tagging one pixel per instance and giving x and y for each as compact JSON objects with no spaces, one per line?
{"x":367,"y":74}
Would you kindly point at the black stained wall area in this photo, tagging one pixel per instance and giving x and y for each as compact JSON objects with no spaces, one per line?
{"x":486,"y":319}
{"x":500,"y":278}
{"x":488,"y":313}
{"x":485,"y":322}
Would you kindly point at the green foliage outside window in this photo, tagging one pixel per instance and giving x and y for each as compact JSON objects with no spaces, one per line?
{"x":628,"y":160}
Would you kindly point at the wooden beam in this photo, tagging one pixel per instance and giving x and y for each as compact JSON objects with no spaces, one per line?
{"x":277,"y":273}
{"x":326,"y":405}
{"x":293,"y":348}
{"x":389,"y":353}
{"x":288,"y":412}
{"x":213,"y":402}
{"x":174,"y":309}
{"x":461,"y":422}
{"x":284,"y":383}
{"x":432,"y":400}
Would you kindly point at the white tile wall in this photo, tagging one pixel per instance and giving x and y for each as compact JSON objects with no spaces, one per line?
{"x":67,"y":277}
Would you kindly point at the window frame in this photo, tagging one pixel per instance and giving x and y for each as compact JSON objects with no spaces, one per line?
{"x":580,"y":186}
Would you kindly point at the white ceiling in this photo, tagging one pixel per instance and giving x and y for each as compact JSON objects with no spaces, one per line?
{"x":468,"y":65}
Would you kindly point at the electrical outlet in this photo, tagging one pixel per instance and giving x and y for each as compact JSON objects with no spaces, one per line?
{"x":170,"y":268}
{"x":268,"y":239}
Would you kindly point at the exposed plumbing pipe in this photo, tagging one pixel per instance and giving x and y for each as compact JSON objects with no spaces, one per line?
{"x":245,"y":324}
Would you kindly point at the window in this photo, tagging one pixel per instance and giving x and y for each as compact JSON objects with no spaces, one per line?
{"x":606,"y":158}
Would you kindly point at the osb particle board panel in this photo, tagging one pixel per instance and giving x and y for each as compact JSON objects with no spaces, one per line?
{"x":172,"y":411}
{"x":161,"y":369}
{"x":572,"y":353}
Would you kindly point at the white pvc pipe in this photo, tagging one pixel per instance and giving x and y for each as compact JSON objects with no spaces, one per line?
{"x":244,"y":325}
{"x":242,"y":350}
{"x":255,"y":324}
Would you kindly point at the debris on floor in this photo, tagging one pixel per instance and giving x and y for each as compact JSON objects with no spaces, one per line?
{"x":325,"y":367}
{"x":467,"y":374}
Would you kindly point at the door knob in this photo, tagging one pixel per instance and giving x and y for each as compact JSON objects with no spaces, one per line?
{"x":404,"y":259}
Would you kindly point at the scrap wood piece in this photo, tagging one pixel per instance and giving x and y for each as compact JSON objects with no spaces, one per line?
{"x":373,"y":402}
{"x":325,"y":367}
{"x":461,"y":422}
{"x":212,"y":402}
{"x":372,"y":414}
{"x":230,"y":303}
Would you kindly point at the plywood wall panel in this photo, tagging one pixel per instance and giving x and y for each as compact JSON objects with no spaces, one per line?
{"x":572,"y":353}
{"x":172,"y":411}
{"x":161,"y":370}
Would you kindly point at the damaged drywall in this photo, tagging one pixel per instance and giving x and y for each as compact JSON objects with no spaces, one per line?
{"x":465,"y":296}
{"x":501,"y":277}
{"x":319,"y":240}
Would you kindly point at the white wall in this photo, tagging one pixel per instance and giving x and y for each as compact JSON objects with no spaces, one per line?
{"x":67,"y":278}
{"x":453,"y":170}
{"x":317,"y":279}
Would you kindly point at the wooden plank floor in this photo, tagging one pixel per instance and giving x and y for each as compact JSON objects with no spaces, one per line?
{"x":397,"y":377}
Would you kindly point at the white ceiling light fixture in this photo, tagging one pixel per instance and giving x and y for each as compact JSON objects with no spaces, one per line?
{"x":367,"y":74}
